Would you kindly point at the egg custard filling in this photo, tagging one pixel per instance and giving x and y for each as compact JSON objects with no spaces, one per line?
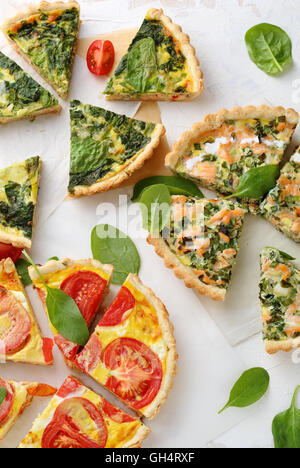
{"x":282,"y":205}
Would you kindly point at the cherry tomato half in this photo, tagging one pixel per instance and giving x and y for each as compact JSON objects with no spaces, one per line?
{"x":100,"y":57}
{"x":8,"y":250}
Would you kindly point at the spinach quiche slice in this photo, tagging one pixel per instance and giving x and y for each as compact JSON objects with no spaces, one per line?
{"x":201,"y":243}
{"x":20,"y":95}
{"x":224,"y":146}
{"x":160,"y":64}
{"x":19,"y":186}
{"x":282,"y":205}
{"x":46,"y":36}
{"x":280,"y":300}
{"x":106,"y":148}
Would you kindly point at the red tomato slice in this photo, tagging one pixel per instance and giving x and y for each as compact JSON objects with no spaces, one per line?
{"x":90,"y":356}
{"x":119,"y":309}
{"x":69,"y":386}
{"x":137,"y":371}
{"x":100,"y":57}
{"x":66,"y":432}
{"x":16,"y":336}
{"x":116,"y":414}
{"x":41,"y":390}
{"x":47,"y":350}
{"x":8,"y":250}
{"x":7,"y":403}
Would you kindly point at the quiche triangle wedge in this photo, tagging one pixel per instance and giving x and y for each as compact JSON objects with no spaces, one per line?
{"x":282,"y":205}
{"x":106,"y":148}
{"x":20,"y":95}
{"x":18,"y":396}
{"x":19,"y":185}
{"x":46,"y":36}
{"x":201,"y":243}
{"x":280,"y":300}
{"x":20,"y":335}
{"x":160,"y":64}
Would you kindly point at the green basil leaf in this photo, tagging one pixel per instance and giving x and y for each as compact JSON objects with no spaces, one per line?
{"x":256,"y":182}
{"x":249,"y":388}
{"x":141,"y":63}
{"x":176,"y":186}
{"x":112,"y":246}
{"x":53,"y":258}
{"x":284,"y":254}
{"x":155,"y":205}
{"x":22,"y":269}
{"x":3,"y":393}
{"x":269,"y":47}
{"x":286,"y":426}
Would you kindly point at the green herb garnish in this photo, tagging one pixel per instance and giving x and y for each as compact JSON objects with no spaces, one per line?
{"x":256,"y":182}
{"x":155,"y":205}
{"x":3,"y":393}
{"x":176,"y":186}
{"x":286,"y":426}
{"x":22,"y":269}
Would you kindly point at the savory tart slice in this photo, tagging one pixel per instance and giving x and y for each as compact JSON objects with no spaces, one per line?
{"x":17,"y":396}
{"x":280,"y":300}
{"x":201,"y":243}
{"x":19,"y":185}
{"x":77,"y":417}
{"x":46,"y":36}
{"x":86,"y":281}
{"x":106,"y":148}
{"x":282,"y":205}
{"x":20,"y":336}
{"x":160,"y":64}
{"x":219,"y":150}
{"x":133,"y":351}
{"x":21,"y":96}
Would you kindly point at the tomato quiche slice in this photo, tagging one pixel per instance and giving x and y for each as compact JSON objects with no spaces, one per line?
{"x":20,"y":336}
{"x":21,"y":96}
{"x":46,"y":36}
{"x":160,"y":64}
{"x":201,"y":243}
{"x":77,"y":417}
{"x":133,"y":351}
{"x":282,"y":205}
{"x":18,"y":396}
{"x":19,"y":185}
{"x":219,"y":150}
{"x":86,"y":281}
{"x":280,"y":300}
{"x":106,"y":148}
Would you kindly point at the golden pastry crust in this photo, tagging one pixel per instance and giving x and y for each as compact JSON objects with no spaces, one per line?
{"x":32,"y":10}
{"x":183,"y":272}
{"x":273,"y":346}
{"x":115,"y":181}
{"x":214,"y":121}
{"x":190,"y":54}
{"x":50,"y":110}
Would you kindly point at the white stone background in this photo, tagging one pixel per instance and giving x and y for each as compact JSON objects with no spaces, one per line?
{"x":216,"y":342}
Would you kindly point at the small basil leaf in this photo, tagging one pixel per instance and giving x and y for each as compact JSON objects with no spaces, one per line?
{"x":286,"y":426}
{"x":155,"y":204}
{"x":22,"y":269}
{"x":249,"y":388}
{"x":176,"y":186}
{"x":284,"y":254}
{"x":53,"y":258}
{"x":141,"y":63}
{"x":112,"y":246}
{"x":256,"y":182}
{"x":269,"y":47}
{"x":3,"y":393}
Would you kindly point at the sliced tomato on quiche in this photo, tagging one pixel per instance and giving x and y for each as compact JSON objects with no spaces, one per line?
{"x":18,"y":395}
{"x":79,"y":418}
{"x":20,"y":335}
{"x":86,"y":281}
{"x":132,"y":351}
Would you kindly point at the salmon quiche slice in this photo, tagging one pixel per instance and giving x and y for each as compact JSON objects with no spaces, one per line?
{"x":46,"y":36}
{"x":86,"y":281}
{"x":21,"y":96}
{"x":224,"y":146}
{"x":160,"y":64}
{"x":77,"y":417}
{"x":20,"y":335}
{"x":280,"y":300}
{"x":132,"y":351}
{"x":282,"y":205}
{"x":19,"y":185}
{"x":14,"y":399}
{"x":106,"y":148}
{"x":201,"y":243}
